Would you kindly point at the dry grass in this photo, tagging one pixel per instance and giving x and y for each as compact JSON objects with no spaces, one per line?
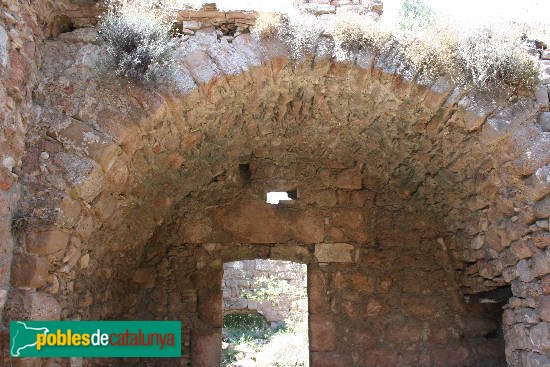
{"x":268,"y":25}
{"x":137,"y":37}
{"x":484,"y":58}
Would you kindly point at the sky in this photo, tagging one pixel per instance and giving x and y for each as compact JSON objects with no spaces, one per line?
{"x":485,"y":11}
{"x":462,"y":11}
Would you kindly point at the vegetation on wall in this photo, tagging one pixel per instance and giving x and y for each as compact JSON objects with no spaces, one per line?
{"x":138,"y":43}
{"x":416,"y":46}
{"x":137,"y":38}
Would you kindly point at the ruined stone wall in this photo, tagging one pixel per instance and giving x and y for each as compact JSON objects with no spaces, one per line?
{"x":393,"y":303}
{"x":133,"y":197}
{"x":241,"y":280}
{"x":19,"y":35}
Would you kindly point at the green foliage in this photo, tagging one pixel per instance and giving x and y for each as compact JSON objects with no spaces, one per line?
{"x":137,"y":39}
{"x":246,"y":326}
{"x":272,"y":289}
{"x":285,"y":346}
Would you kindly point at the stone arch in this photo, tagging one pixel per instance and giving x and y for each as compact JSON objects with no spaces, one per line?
{"x":116,"y":176}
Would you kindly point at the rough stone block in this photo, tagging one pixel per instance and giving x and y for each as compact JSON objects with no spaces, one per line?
{"x":291,"y":253}
{"x":323,"y":333}
{"x":29,"y":271}
{"x":46,"y":242}
{"x":206,"y":347}
{"x":522,"y":249}
{"x":29,"y":305}
{"x":308,"y":228}
{"x":320,"y":359}
{"x":4,"y":60}
{"x":544,"y":121}
{"x":541,"y":264}
{"x":450,"y":357}
{"x":334,"y":252}
{"x":542,"y":208}
{"x":350,"y":179}
{"x":540,"y":337}
{"x":530,"y":359}
{"x":544,"y":308}
{"x":210,"y":307}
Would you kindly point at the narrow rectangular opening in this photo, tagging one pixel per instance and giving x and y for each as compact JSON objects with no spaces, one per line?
{"x":265,"y":314}
{"x":274,"y":197}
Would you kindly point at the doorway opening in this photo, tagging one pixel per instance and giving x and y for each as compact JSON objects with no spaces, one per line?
{"x":265,"y":314}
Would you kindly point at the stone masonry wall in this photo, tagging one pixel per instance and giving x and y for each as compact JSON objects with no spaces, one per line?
{"x":240,"y":277}
{"x":410,"y":193}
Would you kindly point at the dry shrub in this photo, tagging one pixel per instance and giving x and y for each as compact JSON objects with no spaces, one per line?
{"x":431,"y":52}
{"x":483,"y":58}
{"x":268,"y":25}
{"x":137,"y":38}
{"x":490,"y":57}
{"x":355,"y":32}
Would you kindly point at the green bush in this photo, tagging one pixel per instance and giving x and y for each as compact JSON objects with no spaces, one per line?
{"x":137,"y":36}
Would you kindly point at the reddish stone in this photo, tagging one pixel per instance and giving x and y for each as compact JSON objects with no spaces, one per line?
{"x":545,"y":284}
{"x":365,"y":338}
{"x":336,"y":235}
{"x":373,"y":308}
{"x":47,"y":242}
{"x":30,"y":305}
{"x":318,"y":299}
{"x":544,"y":308}
{"x":210,"y":307}
{"x":323,"y":333}
{"x":205,"y":347}
{"x":308,"y":229}
{"x":29,"y":271}
{"x":378,"y":358}
{"x":522,"y":249}
{"x":424,"y":308}
{"x":541,"y":239}
{"x":253,"y":222}
{"x":7,"y":179}
{"x":450,"y":356}
{"x":196,"y":231}
{"x":352,"y":222}
{"x":350,"y":179}
{"x":319,"y":359}
{"x":362,"y":283}
{"x":18,"y":72}
{"x":406,"y":332}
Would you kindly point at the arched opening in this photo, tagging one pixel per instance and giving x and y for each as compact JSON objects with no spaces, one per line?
{"x":410,"y":196}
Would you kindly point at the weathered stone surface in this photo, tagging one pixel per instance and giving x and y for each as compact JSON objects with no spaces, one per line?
{"x":542,"y":208}
{"x":291,"y":253}
{"x":29,"y":271}
{"x":3,"y":47}
{"x":204,"y":351}
{"x":30,"y":305}
{"x":334,"y":252}
{"x":350,"y":179}
{"x":323,"y":334}
{"x":47,"y":242}
{"x":540,"y":337}
{"x":544,"y":121}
